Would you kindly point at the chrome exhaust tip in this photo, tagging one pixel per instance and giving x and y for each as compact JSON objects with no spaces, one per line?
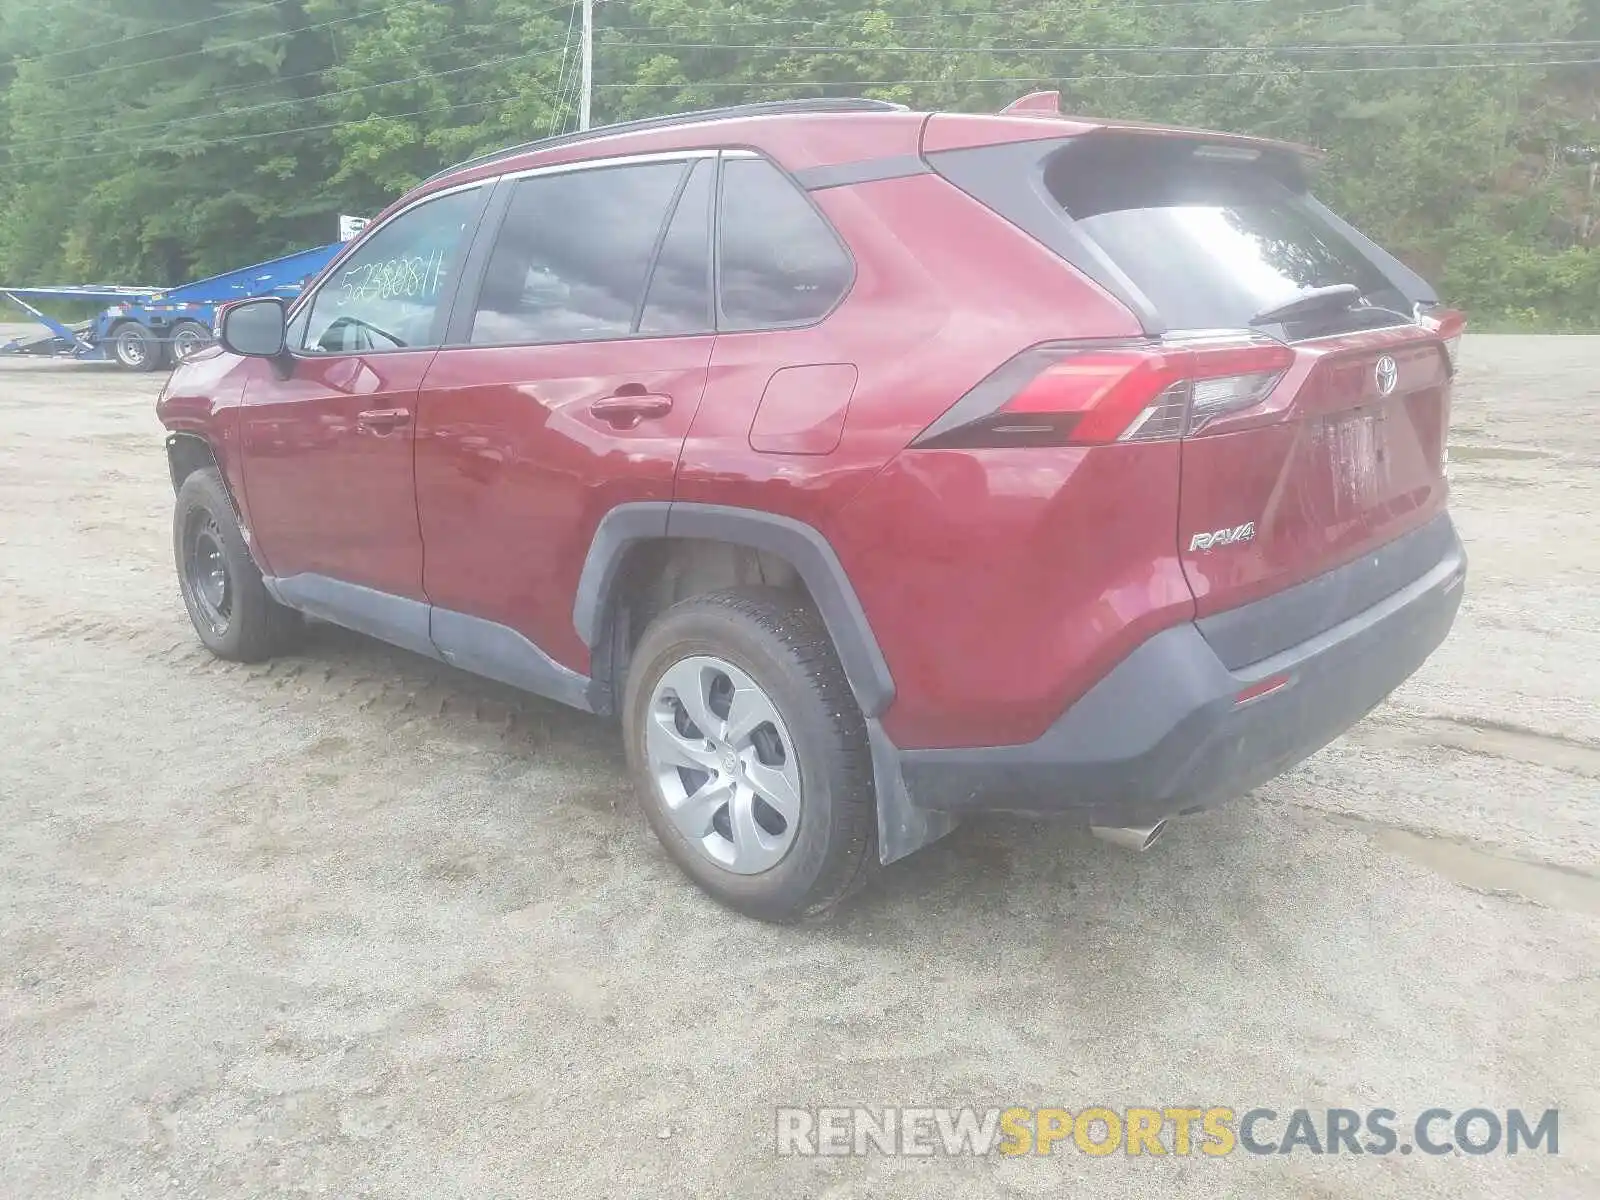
{"x":1131,"y":837}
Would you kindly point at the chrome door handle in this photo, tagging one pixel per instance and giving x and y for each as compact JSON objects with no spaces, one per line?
{"x":382,"y":420}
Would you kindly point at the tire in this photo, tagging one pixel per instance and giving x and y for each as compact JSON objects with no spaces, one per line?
{"x":186,"y":339}
{"x":821,"y":851}
{"x":135,"y":348}
{"x":232,"y":612}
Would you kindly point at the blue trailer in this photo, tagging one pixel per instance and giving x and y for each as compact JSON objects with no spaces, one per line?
{"x":146,"y":328}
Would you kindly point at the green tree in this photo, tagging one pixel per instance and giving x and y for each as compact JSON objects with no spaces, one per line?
{"x":161,"y":138}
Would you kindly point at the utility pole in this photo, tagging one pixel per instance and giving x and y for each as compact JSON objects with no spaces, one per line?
{"x":586,"y":90}
{"x":1586,"y":229}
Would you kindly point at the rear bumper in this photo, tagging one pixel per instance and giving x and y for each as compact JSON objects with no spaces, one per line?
{"x":1163,"y":733}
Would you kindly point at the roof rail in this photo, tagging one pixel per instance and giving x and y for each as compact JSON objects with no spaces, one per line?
{"x":762,"y":108}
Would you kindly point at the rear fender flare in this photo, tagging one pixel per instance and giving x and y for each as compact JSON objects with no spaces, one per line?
{"x":794,"y":541}
{"x":902,"y":827}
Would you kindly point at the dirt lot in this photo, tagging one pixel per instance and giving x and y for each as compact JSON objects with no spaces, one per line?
{"x":352,"y":924}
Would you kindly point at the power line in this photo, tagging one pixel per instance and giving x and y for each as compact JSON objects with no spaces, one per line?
{"x":265,"y":37}
{"x":751,"y":85}
{"x":840,"y":19}
{"x":166,"y":126}
{"x":90,"y":111}
{"x":558,"y":113}
{"x":301,"y":129}
{"x":833,"y":83}
{"x":134,"y":37}
{"x":803,"y":48}
{"x":962,"y":14}
{"x":568,"y":101}
{"x":438,"y":44}
{"x":797,"y":48}
{"x":842,"y":22}
{"x":561,"y":98}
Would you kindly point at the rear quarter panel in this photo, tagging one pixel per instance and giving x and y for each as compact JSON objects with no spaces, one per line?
{"x":1003,"y":584}
{"x":944,"y":292}
{"x":995,"y":582}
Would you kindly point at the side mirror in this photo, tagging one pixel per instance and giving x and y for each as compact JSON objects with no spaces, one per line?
{"x":255,"y":328}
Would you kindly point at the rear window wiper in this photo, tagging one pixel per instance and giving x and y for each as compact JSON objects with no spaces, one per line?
{"x":1335,"y":296}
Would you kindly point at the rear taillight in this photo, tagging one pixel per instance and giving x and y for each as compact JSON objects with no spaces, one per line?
{"x":1064,"y":394}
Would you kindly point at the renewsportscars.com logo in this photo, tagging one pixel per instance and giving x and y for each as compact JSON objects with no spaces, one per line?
{"x":1134,"y":1132}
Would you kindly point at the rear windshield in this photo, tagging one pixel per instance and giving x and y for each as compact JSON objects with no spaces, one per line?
{"x":1215,"y":242}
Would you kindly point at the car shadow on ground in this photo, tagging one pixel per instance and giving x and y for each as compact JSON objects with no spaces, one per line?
{"x":461,"y":703}
{"x":980,"y":869}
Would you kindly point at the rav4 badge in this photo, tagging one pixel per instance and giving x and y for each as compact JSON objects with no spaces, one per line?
{"x":1223,"y":537}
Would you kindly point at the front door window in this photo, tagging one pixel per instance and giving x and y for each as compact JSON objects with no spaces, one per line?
{"x":387,"y":295}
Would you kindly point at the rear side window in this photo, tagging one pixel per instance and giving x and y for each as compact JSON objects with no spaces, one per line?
{"x":1213,"y":242}
{"x":779,"y":263}
{"x":570,"y":261}
{"x":679,"y":299}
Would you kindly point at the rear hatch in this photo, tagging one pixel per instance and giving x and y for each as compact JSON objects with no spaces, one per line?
{"x":1313,"y":421}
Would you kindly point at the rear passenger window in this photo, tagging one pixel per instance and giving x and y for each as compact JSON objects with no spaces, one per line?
{"x":569,"y":264}
{"x":779,"y":262}
{"x":679,"y":299}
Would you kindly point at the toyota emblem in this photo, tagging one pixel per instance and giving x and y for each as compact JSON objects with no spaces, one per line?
{"x":1388,"y":375}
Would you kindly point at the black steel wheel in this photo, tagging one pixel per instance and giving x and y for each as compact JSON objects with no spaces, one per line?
{"x":221,"y":585}
{"x":205,"y":571}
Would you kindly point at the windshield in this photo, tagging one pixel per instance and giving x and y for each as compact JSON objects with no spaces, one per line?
{"x":1215,"y":243}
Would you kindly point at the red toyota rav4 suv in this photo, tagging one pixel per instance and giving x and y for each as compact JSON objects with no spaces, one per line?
{"x":873,"y":467}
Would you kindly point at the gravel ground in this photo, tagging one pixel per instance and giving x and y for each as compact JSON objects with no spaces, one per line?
{"x":351,"y":923}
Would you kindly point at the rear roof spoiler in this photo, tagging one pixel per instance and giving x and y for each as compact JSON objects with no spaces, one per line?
{"x":1048,"y":104}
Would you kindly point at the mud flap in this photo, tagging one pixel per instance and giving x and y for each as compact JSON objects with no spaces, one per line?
{"x":902,"y":827}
